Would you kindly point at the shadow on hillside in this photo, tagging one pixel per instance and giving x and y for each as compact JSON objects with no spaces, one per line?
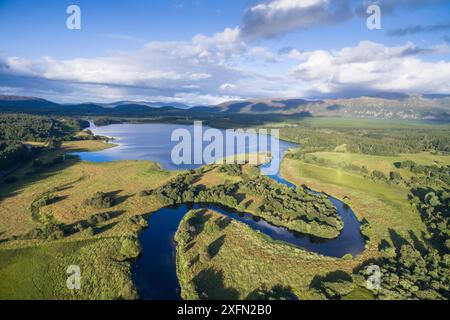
{"x":105,"y":228}
{"x":58,"y":199}
{"x":397,"y":242}
{"x":397,"y":239}
{"x":209,"y":285}
{"x":277,"y":292}
{"x":421,"y":192}
{"x":418,"y":244}
{"x":94,"y":221}
{"x":333,"y":285}
{"x":215,"y":246}
{"x":223,"y":222}
{"x":197,"y":223}
{"x":118,"y":199}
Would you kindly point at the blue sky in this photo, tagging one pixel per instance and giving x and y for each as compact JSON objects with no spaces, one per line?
{"x":209,"y":51}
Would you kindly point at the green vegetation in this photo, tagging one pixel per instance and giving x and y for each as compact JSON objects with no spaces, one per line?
{"x":296,"y":210}
{"x":400,"y":197}
{"x":414,"y":263}
{"x":100,"y":200}
{"x":21,"y":127}
{"x":367,"y":136}
{"x":129,"y":249}
{"x":219,"y":258}
{"x":213,"y":264}
{"x":413,"y":272}
{"x":106,"y":121}
{"x":12,"y":152}
{"x":395,"y":178}
{"x":21,"y":134}
{"x":40,"y":271}
{"x":45,"y":225}
{"x":231,"y":169}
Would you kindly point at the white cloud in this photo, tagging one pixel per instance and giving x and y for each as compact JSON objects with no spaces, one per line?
{"x":373,"y":66}
{"x":214,"y":69}
{"x":279,"y":16}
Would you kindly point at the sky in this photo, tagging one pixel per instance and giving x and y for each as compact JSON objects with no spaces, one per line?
{"x":204,"y":52}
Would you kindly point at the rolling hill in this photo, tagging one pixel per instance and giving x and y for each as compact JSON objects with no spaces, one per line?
{"x":384,"y":106}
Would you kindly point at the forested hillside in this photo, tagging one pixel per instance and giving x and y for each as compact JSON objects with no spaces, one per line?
{"x":16,"y":130}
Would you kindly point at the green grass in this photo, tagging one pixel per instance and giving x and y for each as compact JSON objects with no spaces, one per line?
{"x":39,"y":272}
{"x":228,"y":260}
{"x":77,"y":182}
{"x":384,"y":206}
{"x":384,"y":164}
{"x":36,"y":269}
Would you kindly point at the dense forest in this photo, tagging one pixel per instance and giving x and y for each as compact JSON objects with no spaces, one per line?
{"x":21,"y":127}
{"x":18,"y":129}
{"x":11,"y":152}
{"x":373,"y":141}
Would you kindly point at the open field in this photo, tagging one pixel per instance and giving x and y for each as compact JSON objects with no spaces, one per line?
{"x":384,"y":164}
{"x":385,"y":207}
{"x":77,"y":181}
{"x":327,"y":122}
{"x":34,"y":269}
{"x":39,"y":272}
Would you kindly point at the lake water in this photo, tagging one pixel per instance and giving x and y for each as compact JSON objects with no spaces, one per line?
{"x":154,"y":273}
{"x":153,"y":142}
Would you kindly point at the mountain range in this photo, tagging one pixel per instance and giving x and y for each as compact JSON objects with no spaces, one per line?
{"x":384,"y":106}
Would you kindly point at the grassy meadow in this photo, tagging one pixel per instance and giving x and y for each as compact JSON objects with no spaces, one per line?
{"x":36,"y":269}
{"x":228,"y":259}
{"x":384,"y":206}
{"x":385,"y":164}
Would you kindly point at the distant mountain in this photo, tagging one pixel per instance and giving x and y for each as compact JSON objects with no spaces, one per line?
{"x":25,"y":102}
{"x":389,"y":95}
{"x":145,"y":103}
{"x":377,"y":106}
{"x":436,"y":96}
{"x":42,"y":106}
{"x":261,"y":106}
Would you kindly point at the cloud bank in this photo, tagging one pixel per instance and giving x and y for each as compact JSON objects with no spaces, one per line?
{"x":228,"y":66}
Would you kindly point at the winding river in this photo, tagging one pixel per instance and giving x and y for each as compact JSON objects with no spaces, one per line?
{"x":154,"y":273}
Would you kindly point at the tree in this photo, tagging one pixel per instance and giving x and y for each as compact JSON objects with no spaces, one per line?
{"x":100,"y":200}
{"x":130,"y":248}
{"x":395,"y":176}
